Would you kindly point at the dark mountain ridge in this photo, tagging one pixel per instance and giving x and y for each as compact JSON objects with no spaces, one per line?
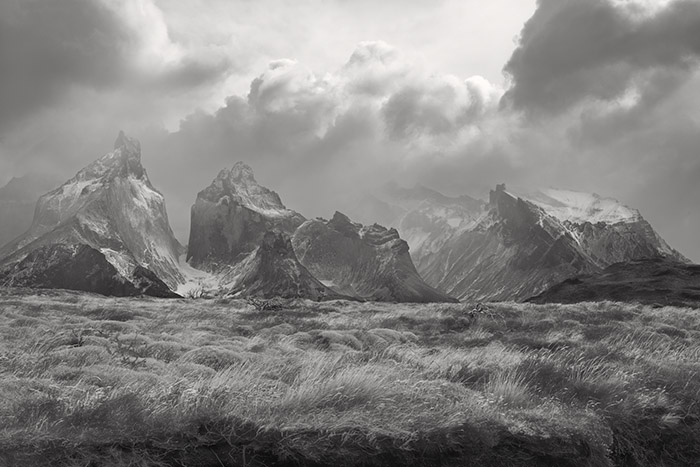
{"x":655,"y":281}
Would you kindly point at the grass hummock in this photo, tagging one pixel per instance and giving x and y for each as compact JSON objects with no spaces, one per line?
{"x":94,"y":381}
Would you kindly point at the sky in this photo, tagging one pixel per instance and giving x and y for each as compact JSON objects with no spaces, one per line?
{"x":330,"y":99}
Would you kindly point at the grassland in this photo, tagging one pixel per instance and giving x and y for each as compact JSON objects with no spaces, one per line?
{"x":90,"y":381}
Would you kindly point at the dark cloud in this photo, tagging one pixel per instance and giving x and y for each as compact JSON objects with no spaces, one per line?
{"x":408,"y":111}
{"x":441,"y":106}
{"x":608,"y":96}
{"x":50,"y":48}
{"x":616,"y":84}
{"x":46,"y":46}
{"x":572,"y":51}
{"x":600,"y":126}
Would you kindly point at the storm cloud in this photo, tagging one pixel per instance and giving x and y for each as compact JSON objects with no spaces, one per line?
{"x":49,"y":50}
{"x":572,"y":51}
{"x":327,"y":101}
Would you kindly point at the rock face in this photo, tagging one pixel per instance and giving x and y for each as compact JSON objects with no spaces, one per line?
{"x":651,"y":281}
{"x":425,"y":218}
{"x":273,"y":270}
{"x":231,"y":216}
{"x":516,"y":246}
{"x":511,"y":250}
{"x":606,"y":230}
{"x":80,"y":267}
{"x":111,"y":207}
{"x":240,"y":239}
{"x":17,"y":202}
{"x":369,"y":263}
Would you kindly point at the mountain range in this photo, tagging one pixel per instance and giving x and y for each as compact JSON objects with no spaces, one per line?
{"x":513,"y":246}
{"x":106,"y":230}
{"x":368,"y":262}
{"x":657,"y":282}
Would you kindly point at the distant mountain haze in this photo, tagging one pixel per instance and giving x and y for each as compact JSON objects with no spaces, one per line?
{"x":17,"y":202}
{"x":367,"y":262}
{"x":513,"y":247}
{"x":110,"y":222}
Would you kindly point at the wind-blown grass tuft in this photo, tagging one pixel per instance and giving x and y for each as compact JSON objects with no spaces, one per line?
{"x":131,"y":382}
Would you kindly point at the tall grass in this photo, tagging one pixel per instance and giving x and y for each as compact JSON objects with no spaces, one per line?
{"x":102,"y":382}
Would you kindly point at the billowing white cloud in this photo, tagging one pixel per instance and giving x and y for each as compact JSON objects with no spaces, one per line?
{"x":600,"y":95}
{"x":51,"y":51}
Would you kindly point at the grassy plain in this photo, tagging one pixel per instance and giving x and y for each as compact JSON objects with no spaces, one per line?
{"x":94,"y":381}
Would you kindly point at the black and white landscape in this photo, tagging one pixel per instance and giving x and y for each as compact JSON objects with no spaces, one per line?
{"x":349,"y":233}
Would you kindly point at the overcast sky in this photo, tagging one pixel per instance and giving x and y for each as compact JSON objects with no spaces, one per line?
{"x":326,"y":99}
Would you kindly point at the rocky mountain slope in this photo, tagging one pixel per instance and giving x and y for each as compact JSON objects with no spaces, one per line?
{"x":425,"y":218}
{"x":80,"y":267}
{"x":17,"y":202}
{"x":608,"y":231}
{"x":231,"y":217}
{"x":273,"y":270}
{"x":111,"y":207}
{"x":370,"y":263}
{"x":650,"y":281}
{"x":515,"y":246}
{"x":231,"y":242}
{"x":106,"y":230}
{"x":240,"y":245}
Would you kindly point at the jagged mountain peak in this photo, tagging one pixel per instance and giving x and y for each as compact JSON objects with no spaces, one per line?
{"x":342,"y":223}
{"x":230,"y":216}
{"x":517,"y":242}
{"x":238,"y":185}
{"x":579,"y":207}
{"x":512,"y":208}
{"x":277,"y":243}
{"x":340,"y":218}
{"x":498,"y":195}
{"x":380,"y":235}
{"x":111,"y":207}
{"x":367,"y":262}
{"x":124,"y":161}
{"x":421,"y":194}
{"x":374,"y":234}
{"x":131,"y":145}
{"x":273,"y":270}
{"x":239,"y":173}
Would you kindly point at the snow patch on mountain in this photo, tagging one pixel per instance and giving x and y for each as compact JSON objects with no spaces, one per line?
{"x":579,"y":208}
{"x":111,"y":207}
{"x":145,"y":197}
{"x":196,"y":281}
{"x":238,"y":184}
{"x":123,"y":263}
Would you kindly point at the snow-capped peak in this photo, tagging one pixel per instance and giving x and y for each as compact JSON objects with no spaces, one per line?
{"x":579,"y":208}
{"x":124,"y":160}
{"x":238,"y":184}
{"x":239,"y":173}
{"x":132,"y":145}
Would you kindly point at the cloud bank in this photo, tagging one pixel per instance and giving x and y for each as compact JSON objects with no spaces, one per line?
{"x":599,"y":95}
